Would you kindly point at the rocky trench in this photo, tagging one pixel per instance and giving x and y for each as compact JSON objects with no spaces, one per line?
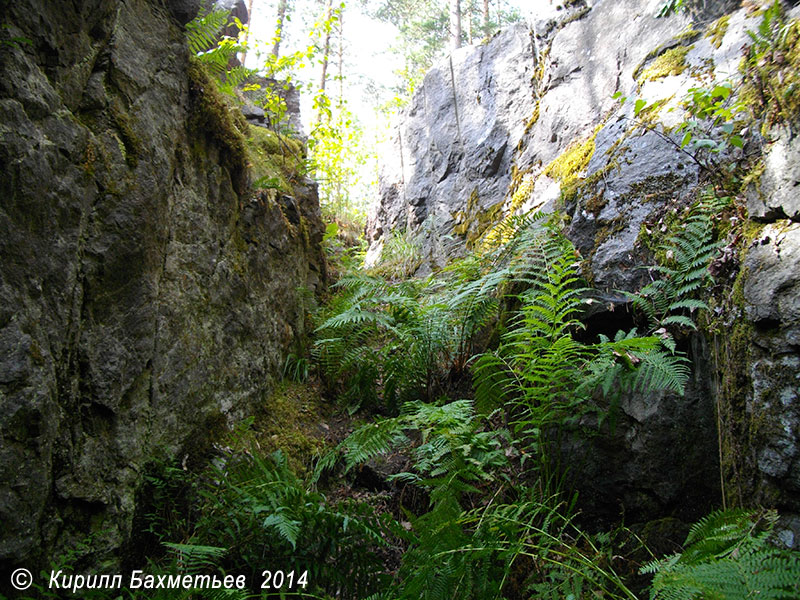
{"x":530,"y":121}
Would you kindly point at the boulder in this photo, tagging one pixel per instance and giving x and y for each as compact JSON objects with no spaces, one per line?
{"x":774,"y":195}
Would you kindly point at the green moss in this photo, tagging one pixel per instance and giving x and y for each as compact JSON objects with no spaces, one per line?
{"x":473,"y":222}
{"x":522,"y":194}
{"x":275,"y":161}
{"x":533,"y":119}
{"x":772,"y":78}
{"x":290,"y":421}
{"x":670,"y":62}
{"x":730,"y":335}
{"x":567,"y":168}
{"x":130,"y":146}
{"x":90,"y":158}
{"x":464,"y":218}
{"x":717,"y":30}
{"x":648,"y":117}
{"x":212,"y":115}
{"x":731,"y":342}
{"x":595,"y":203}
{"x":686,"y":37}
{"x":607,"y":230}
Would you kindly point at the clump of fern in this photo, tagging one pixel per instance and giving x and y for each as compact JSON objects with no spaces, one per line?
{"x":387,"y":342}
{"x":264,"y":515}
{"x":728,"y":555}
{"x":483,"y":534}
{"x":672,"y":299}
{"x":217,"y":52}
{"x":543,"y":370}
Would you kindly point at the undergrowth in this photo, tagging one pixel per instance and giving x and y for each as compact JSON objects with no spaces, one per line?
{"x":489,"y":516}
{"x":466,"y":380}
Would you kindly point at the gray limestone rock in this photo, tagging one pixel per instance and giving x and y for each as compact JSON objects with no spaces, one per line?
{"x":459,"y":136}
{"x":146,"y":299}
{"x":184,"y":10}
{"x":776,"y":195}
{"x":772,"y":287}
{"x":483,"y":123}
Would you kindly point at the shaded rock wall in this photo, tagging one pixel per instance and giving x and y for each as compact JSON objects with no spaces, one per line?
{"x":145,"y":298}
{"x":539,"y":129}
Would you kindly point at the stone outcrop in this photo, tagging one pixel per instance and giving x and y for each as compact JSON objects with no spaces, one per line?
{"x":490,"y":133}
{"x":147,"y":298}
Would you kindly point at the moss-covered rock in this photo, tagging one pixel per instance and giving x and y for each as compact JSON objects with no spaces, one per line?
{"x":147,"y":298}
{"x":670,"y":62}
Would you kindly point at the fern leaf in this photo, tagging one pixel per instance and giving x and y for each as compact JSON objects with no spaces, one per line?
{"x":202,"y":31}
{"x":288,"y":528}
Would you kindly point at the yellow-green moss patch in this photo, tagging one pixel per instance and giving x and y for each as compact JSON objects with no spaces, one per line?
{"x":717,"y":30}
{"x":274,"y":160}
{"x":214,"y":116}
{"x":291,"y":421}
{"x":670,"y":62}
{"x":567,"y":168}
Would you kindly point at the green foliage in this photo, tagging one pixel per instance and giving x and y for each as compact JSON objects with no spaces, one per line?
{"x":401,"y":255}
{"x":668,"y":7}
{"x":202,"y":32}
{"x":541,"y":368}
{"x":713,"y":115}
{"x":216,"y":51}
{"x":482,"y":532}
{"x":713,"y":126}
{"x":296,"y":368}
{"x":771,"y":69}
{"x":339,"y":156}
{"x":728,"y":556}
{"x":256,"y":507}
{"x":411,"y":336}
{"x":672,"y":300}
{"x":773,"y":30}
{"x":424,"y":31}
{"x":12,"y":41}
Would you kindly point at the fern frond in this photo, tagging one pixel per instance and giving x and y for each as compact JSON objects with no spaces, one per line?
{"x":727,"y":557}
{"x":203,"y":30}
{"x":286,"y":527}
{"x":195,"y":557}
{"x":372,"y":440}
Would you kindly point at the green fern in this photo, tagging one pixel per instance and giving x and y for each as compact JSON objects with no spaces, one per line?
{"x":542,"y":369}
{"x":256,"y":506}
{"x":195,"y":558}
{"x":728,"y":556}
{"x":202,"y":32}
{"x":216,"y":52}
{"x":672,"y":299}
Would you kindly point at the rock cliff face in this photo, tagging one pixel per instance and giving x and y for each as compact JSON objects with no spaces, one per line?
{"x":146,"y":297}
{"x":528,"y":121}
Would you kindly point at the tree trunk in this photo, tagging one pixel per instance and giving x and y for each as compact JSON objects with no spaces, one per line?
{"x":247,"y":31}
{"x":282,"y":8}
{"x":469,"y":21}
{"x":455,"y":24}
{"x":485,"y":18}
{"x":326,"y":50}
